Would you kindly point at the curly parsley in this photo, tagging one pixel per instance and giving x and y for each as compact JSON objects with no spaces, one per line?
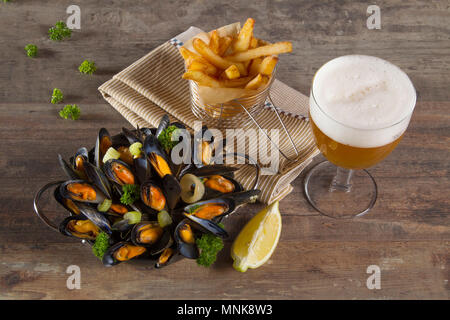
{"x":101,"y":245}
{"x":59,"y":31}
{"x":71,"y":110}
{"x":131,"y":193}
{"x":31,"y":50}
{"x":168,"y":137}
{"x":87,"y":67}
{"x":209,"y":246}
{"x":57,"y":96}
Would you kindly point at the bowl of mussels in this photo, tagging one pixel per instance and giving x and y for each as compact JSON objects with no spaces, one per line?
{"x":128,"y":190}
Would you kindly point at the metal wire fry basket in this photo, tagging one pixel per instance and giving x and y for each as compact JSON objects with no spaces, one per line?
{"x":237,"y":113}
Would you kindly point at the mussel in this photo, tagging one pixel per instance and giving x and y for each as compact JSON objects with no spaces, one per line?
{"x":103,"y":143}
{"x":68,"y":204}
{"x":157,"y":157}
{"x":120,"y":252}
{"x":166,"y":257}
{"x":152,"y":196}
{"x":98,"y":178}
{"x":119,"y":172}
{"x":185,"y":239}
{"x":149,"y":234}
{"x":79,"y":227}
{"x":82,"y":191}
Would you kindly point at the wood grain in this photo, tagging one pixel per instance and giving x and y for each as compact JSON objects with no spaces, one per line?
{"x":407,"y":233}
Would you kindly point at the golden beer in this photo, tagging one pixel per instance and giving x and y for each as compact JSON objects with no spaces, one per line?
{"x":349,"y":157}
{"x":360,"y":107}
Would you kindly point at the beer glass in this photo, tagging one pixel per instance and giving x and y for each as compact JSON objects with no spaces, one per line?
{"x":360,"y":107}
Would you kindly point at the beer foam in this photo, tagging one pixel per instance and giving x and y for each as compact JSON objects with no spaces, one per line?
{"x":361,"y":101}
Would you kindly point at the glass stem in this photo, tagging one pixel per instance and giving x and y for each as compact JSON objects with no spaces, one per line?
{"x":342,"y":181}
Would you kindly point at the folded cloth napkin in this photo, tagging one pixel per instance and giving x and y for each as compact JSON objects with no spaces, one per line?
{"x":152,"y":87}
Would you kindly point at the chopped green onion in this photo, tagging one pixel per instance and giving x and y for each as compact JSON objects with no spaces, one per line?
{"x":133,"y":217}
{"x":105,"y":205}
{"x":135,"y":149}
{"x":164,"y":218}
{"x":111,"y":153}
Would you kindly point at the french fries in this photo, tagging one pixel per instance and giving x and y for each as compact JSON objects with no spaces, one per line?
{"x":245,"y":36}
{"x":214,"y":42}
{"x":232,"y":72}
{"x":267,"y":65}
{"x":267,"y":50}
{"x":242,"y":61}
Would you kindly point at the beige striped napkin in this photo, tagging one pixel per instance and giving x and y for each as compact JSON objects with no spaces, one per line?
{"x":152,"y":87}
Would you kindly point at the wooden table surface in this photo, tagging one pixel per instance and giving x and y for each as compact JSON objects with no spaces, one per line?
{"x":407,"y":234}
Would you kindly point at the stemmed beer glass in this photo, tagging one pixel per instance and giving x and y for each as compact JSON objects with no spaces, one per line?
{"x":360,"y":107}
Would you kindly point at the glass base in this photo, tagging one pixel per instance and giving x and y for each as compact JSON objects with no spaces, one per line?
{"x":353,"y":198}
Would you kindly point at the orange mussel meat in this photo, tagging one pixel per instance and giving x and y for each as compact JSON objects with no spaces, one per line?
{"x":82,"y":191}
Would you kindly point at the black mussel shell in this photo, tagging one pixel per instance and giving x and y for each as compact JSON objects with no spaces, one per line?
{"x":143,"y":169}
{"x":68,"y":204}
{"x":243,"y":197}
{"x":96,"y":217}
{"x":214,"y":169}
{"x":163,"y":241}
{"x":109,"y":259}
{"x":168,"y":256}
{"x":228,"y":203}
{"x":65,"y":193}
{"x":68,"y":169}
{"x":152,"y":148}
{"x":146,"y":196}
{"x":107,"y":167}
{"x":172,"y":190}
{"x":163,"y":124}
{"x":100,"y":150}
{"x":63,"y":228}
{"x":131,"y":136}
{"x":98,"y":178}
{"x":207,"y":226}
{"x":188,"y":250}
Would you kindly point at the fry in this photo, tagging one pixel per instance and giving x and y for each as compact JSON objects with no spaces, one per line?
{"x":214,"y":42}
{"x":267,"y":65}
{"x":202,"y":78}
{"x":254,"y":66}
{"x":267,"y":50}
{"x":215,"y":59}
{"x":253,"y":43}
{"x":199,"y":65}
{"x":245,"y":35}
{"x":188,"y":54}
{"x":232,"y":72}
{"x":224,"y":44}
{"x":255,"y":83}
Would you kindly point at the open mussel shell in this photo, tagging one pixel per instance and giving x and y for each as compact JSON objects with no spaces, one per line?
{"x":149,"y":234}
{"x":79,"y":227}
{"x":103,"y":143}
{"x":78,"y":162}
{"x":157,"y":156}
{"x":68,"y":204}
{"x":81,"y":191}
{"x":98,"y":178}
{"x":96,"y":217}
{"x":119,"y":172}
{"x":243,"y":197}
{"x":121,"y":252}
{"x":207,"y":226}
{"x":172,"y":190}
{"x":212,"y":209}
{"x":185,"y":238}
{"x":204,"y":150}
{"x":143,"y":169}
{"x":168,"y":256}
{"x":68,"y":169}
{"x":131,"y":136}
{"x":153,"y":196}
{"x":163,"y":124}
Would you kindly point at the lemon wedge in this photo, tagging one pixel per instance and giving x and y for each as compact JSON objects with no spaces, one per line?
{"x":258,"y":239}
